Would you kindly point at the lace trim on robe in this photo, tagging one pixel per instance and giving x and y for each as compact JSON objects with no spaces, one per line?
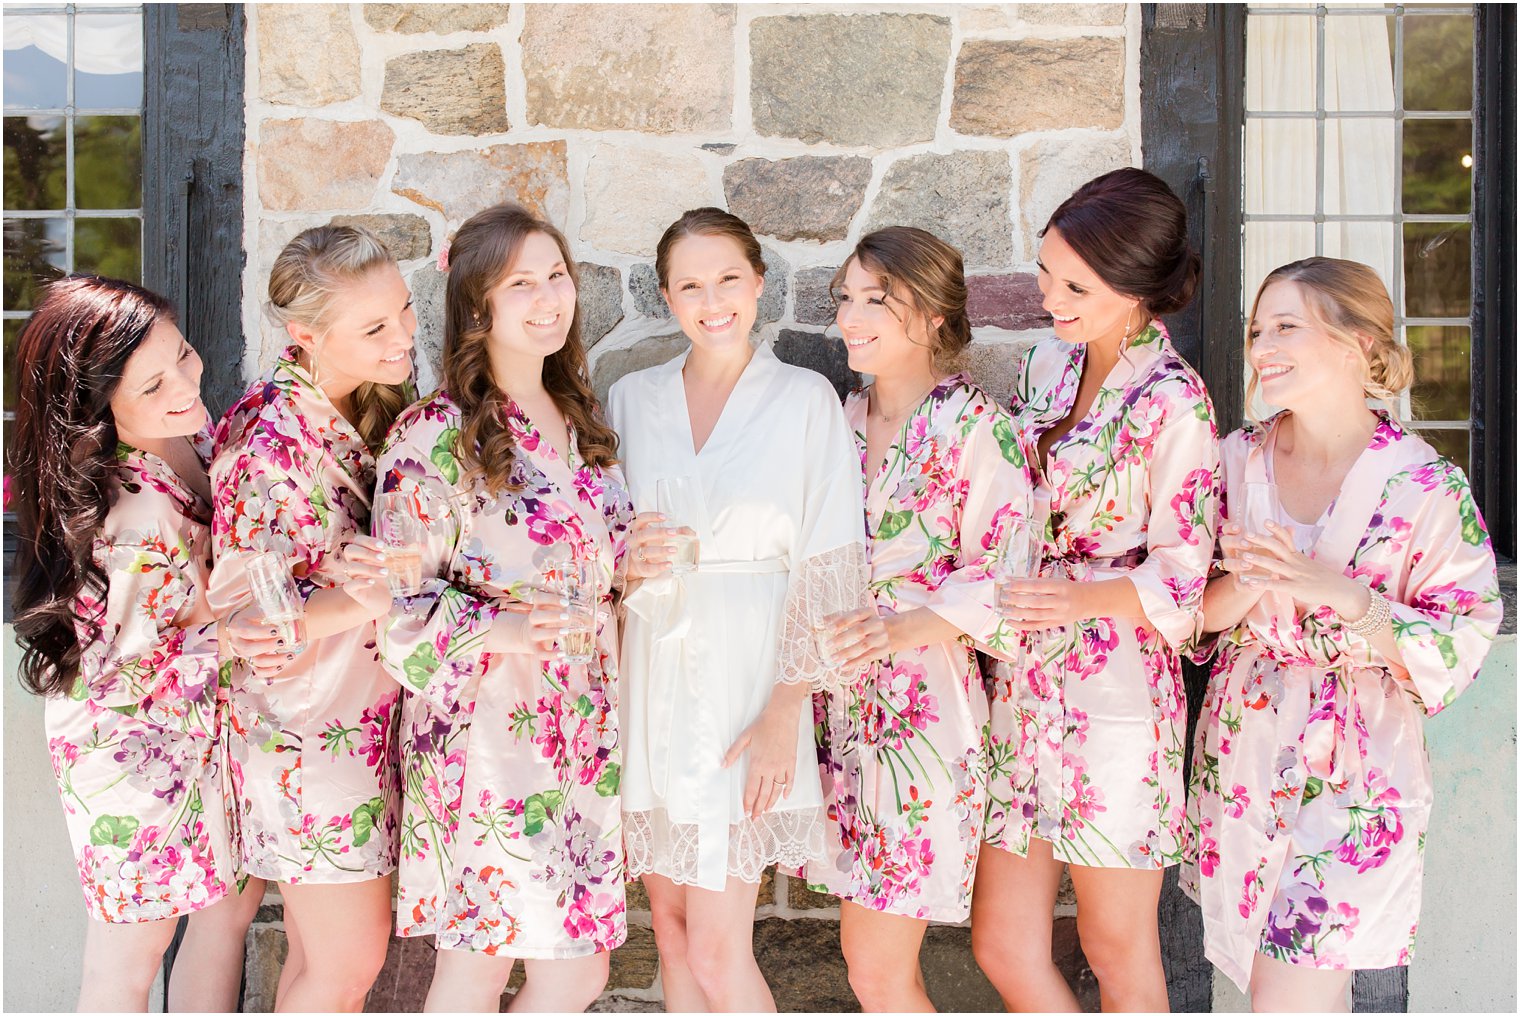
{"x":821,"y":585}
{"x":787,"y":838}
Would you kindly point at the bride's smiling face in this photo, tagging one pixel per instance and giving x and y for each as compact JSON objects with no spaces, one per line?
{"x":712,"y":290}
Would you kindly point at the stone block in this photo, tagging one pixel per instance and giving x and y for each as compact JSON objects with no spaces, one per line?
{"x":813,"y":303}
{"x":822,"y":77}
{"x":449,"y":91}
{"x":1050,"y":170}
{"x":798,"y":895}
{"x":407,"y":236}
{"x":288,"y":72}
{"x":962,"y":197}
{"x":663,"y":68}
{"x":991,"y":365}
{"x":827,"y":356}
{"x":1013,"y":302}
{"x":428,"y":286}
{"x":802,"y":961}
{"x":612,"y":1001}
{"x":601,"y":300}
{"x":777,"y":281}
{"x":459,"y":184}
{"x":954,"y":982}
{"x":633,"y":194}
{"x":262,"y":959}
{"x":811,"y":197}
{"x":1078,"y":82}
{"x":1066,"y":950}
{"x":307,"y":164}
{"x":766,"y":894}
{"x":403,"y":982}
{"x":410,"y":19}
{"x":645,"y":287}
{"x":985,"y":17}
{"x":613,"y":364}
{"x":1072,"y":14}
{"x":635,"y":963}
{"x":638,"y":896}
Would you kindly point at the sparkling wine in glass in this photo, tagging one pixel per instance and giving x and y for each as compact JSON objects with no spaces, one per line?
{"x":579,"y":586}
{"x":676,"y":499}
{"x":400,"y":532}
{"x":278,"y":600}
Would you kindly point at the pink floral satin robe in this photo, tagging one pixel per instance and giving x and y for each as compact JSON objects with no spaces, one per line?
{"x":1311,"y":790}
{"x":312,"y":750}
{"x":135,"y":747}
{"x":1086,"y":743}
{"x":511,"y":840}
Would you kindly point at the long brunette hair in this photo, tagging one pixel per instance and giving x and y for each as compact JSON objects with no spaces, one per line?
{"x":479,"y":258}
{"x":70,"y":360}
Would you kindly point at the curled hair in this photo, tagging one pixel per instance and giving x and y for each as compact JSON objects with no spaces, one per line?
{"x":924,"y":272}
{"x":70,"y":359}
{"x":1129,"y":228}
{"x":305,"y":287}
{"x":707,"y":222}
{"x":1350,"y":302}
{"x":480,"y":256}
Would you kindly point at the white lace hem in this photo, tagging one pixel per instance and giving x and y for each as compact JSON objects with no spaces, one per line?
{"x":824,"y":584}
{"x":657,"y":845}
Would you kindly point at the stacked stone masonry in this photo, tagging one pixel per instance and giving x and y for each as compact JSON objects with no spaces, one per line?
{"x":816,"y":123}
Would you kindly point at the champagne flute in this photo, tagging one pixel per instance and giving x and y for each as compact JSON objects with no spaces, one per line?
{"x":676,"y":499}
{"x":841,"y":589}
{"x":279,"y":602}
{"x":1018,"y":558}
{"x":1259,"y":506}
{"x":400,"y":532}
{"x":579,"y":586}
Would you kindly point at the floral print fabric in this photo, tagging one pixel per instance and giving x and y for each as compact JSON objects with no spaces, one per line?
{"x":135,"y":747}
{"x":902,"y":751}
{"x":1086,"y":739}
{"x":510,"y":762}
{"x":1311,"y":791}
{"x":312,"y":749}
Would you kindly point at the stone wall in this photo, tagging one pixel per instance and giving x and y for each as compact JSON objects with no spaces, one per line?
{"x":816,"y":123}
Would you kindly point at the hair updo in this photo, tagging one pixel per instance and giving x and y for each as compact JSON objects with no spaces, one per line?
{"x":707,"y":221}
{"x":1129,"y":228}
{"x":925,"y":272}
{"x":1349,"y":301}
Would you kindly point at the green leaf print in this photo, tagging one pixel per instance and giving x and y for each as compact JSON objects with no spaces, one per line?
{"x":893,"y":523}
{"x":366,"y":816}
{"x":1313,"y":787}
{"x":442,"y":454}
{"x":113,"y":830}
{"x":537,"y":810}
{"x":612,"y":776}
{"x":1472,"y":529}
{"x":584,"y":705}
{"x":1448,"y":647}
{"x":421,"y":665}
{"x":319,"y":505}
{"x":1003,"y":431}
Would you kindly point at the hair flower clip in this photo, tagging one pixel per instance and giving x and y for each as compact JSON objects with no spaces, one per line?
{"x":443,"y":255}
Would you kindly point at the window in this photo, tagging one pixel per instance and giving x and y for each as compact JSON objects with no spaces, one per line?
{"x":1359,"y":144}
{"x":73,"y":152}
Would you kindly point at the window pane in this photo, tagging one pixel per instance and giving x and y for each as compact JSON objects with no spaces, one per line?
{"x":1450,"y":443}
{"x":1374,"y":244}
{"x":1442,"y":372}
{"x":110,"y":247}
{"x":34,"y":162}
{"x":1358,"y":62}
{"x":1437,"y":269}
{"x":108,"y":61}
{"x":35,"y":74}
{"x":34,"y":254}
{"x":1270,"y":245}
{"x":1279,"y":160}
{"x":1438,"y":61}
{"x":108,"y":161}
{"x":12,"y":376}
{"x":1360,"y":159}
{"x":1280,"y":62}
{"x":1435,"y":178}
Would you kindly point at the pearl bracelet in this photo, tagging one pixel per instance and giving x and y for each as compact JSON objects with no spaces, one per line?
{"x":1378,"y":614}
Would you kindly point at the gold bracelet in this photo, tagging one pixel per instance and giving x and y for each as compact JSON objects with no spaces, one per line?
{"x":1378,"y":614}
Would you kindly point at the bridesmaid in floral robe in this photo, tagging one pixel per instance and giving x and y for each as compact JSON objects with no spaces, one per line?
{"x":942,"y":474}
{"x":1086,"y":742}
{"x":115,"y":517}
{"x":1311,"y":791}
{"x":311,"y":734}
{"x":511,"y":842}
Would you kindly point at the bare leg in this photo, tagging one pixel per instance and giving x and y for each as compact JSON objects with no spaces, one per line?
{"x":120,"y":962}
{"x":1011,"y":926}
{"x":295,"y":959}
{"x":881,"y":952}
{"x":720,"y":947}
{"x":208,"y":969}
{"x":465,"y":981}
{"x":1283,"y":987}
{"x":667,"y":910}
{"x":561,"y":985}
{"x":1116,"y":920}
{"x":344,"y":931}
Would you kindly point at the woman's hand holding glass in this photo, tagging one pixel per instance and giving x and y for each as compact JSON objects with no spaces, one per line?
{"x":530,"y":627}
{"x":653,"y":545}
{"x":851,"y":640}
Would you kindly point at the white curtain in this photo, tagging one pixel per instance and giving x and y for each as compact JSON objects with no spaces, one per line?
{"x":103,"y":43}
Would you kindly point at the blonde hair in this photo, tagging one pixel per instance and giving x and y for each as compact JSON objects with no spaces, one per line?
{"x":1349,"y":301}
{"x":308,"y":277}
{"x":928,"y":274}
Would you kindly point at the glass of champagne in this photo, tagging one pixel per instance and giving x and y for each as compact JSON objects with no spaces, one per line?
{"x":1018,"y":558}
{"x":841,"y":589}
{"x":400,"y":532}
{"x":278,"y":600}
{"x":578,"y":585}
{"x":1259,"y":506}
{"x":676,"y":499}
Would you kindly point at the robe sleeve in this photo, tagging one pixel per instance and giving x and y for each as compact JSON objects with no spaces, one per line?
{"x":830,"y":551}
{"x":1183,"y":477}
{"x":1451,"y":608}
{"x":143,"y":664}
{"x":433,"y":643}
{"x":994,"y":474}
